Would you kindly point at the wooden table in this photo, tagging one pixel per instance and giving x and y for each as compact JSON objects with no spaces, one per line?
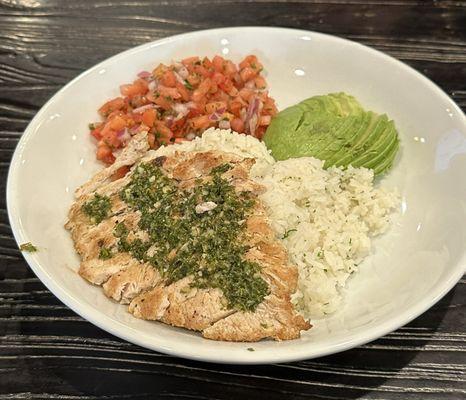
{"x":48,"y":352}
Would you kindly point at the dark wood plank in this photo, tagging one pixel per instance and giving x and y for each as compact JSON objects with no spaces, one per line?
{"x":48,"y":352}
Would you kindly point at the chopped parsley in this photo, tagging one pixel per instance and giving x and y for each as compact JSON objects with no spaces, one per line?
{"x":28,"y":247}
{"x":287,"y":233}
{"x":188,"y":86}
{"x":105,"y":253}
{"x":98,"y":208}
{"x":182,"y":242}
{"x":120,"y":230}
{"x":250,"y":349}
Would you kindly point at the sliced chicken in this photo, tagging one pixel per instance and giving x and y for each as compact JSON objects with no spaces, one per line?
{"x":181,"y":303}
{"x":99,"y":271}
{"x":125,"y":285}
{"x":274,"y":318}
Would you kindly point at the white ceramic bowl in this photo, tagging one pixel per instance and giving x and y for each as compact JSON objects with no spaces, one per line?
{"x":412,"y":267}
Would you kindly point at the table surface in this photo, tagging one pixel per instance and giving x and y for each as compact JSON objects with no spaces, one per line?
{"x":48,"y":352}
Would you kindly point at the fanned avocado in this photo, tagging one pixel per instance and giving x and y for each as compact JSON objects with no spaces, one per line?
{"x":334,"y":128}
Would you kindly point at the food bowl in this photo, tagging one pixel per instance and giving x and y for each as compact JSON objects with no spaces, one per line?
{"x":411,"y":267}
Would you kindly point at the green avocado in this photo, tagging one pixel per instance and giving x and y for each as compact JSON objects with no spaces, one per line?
{"x":334,"y":128}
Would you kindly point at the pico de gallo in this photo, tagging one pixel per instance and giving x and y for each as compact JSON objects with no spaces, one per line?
{"x":178,"y":102}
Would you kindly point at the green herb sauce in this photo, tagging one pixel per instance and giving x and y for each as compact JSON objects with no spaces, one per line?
{"x":185,"y":242}
{"x":28,"y":247}
{"x":98,"y":208}
{"x":105,"y":253}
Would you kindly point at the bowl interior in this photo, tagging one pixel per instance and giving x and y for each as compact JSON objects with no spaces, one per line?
{"x":412,"y":266}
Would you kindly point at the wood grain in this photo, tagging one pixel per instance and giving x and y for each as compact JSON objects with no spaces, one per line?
{"x":48,"y":352}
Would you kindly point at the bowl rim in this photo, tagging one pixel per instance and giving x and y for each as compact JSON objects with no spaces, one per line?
{"x":124,"y":332}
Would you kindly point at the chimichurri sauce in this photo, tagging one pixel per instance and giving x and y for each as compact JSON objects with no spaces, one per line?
{"x":193,"y":232}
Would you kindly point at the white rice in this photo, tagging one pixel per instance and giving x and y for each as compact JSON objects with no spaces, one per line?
{"x":325,"y":218}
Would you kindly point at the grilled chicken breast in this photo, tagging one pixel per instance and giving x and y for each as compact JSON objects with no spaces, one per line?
{"x":184,"y":302}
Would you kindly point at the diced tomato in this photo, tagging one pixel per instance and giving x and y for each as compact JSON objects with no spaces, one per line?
{"x":252,"y":62}
{"x":202,"y":71}
{"x":117,"y":123}
{"x":226,"y":85}
{"x":104,"y":152}
{"x":213,"y":89}
{"x":163,"y":133}
{"x":152,"y":140}
{"x":194,"y":112}
{"x":97,"y":132}
{"x":207,"y":63}
{"x":181,"y":140}
{"x":230,"y":68}
{"x":246,"y":94}
{"x":177,"y":126}
{"x":200,"y":104}
{"x":169,"y":92}
{"x":151,"y":97}
{"x":260,"y":82}
{"x":214,"y":106}
{"x":197,"y":96}
{"x":136,"y":119}
{"x":205,"y":85}
{"x":159,"y":71}
{"x":112,"y":105}
{"x":218,"y":63}
{"x":184,"y":93}
{"x":194,"y":80}
{"x":269,"y":107}
{"x":149,"y":116}
{"x":233,"y":92}
{"x":220,"y":95}
{"x":163,"y":102}
{"x":237,"y":125}
{"x":134,"y":89}
{"x":168,"y":79}
{"x":247,"y":74}
{"x":143,"y":85}
{"x":201,"y":122}
{"x":236,"y":106}
{"x":190,"y":61}
{"x":139,"y":100}
{"x":110,"y":159}
{"x":111,"y":139}
{"x":218,"y":78}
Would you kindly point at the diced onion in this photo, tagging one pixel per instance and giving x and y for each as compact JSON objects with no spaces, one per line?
{"x":224,"y":124}
{"x":141,"y":109}
{"x":144,"y":74}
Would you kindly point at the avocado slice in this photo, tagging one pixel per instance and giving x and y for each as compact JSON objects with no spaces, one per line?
{"x":334,"y":128}
{"x":368,"y":121}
